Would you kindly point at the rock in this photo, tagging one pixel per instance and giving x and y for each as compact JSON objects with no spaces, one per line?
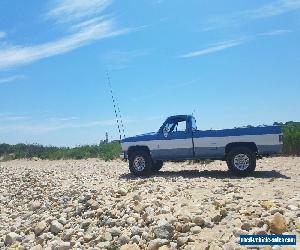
{"x":136,"y":239}
{"x":86,"y":223}
{"x":130,"y":247}
{"x":246,"y":226}
{"x":178,"y":226}
{"x":62,"y":220}
{"x":131,"y":220}
{"x":68,"y":234}
{"x":182,"y":240}
{"x":123,"y":239}
{"x":103,"y":245}
{"x":40,"y":227}
{"x":267,"y":204}
{"x":122,"y":191}
{"x":136,"y":230}
{"x":115,"y":231}
{"x":56,"y":227}
{"x":216,"y":219}
{"x":94,"y":205}
{"x":107,"y":236}
{"x":10,"y":238}
{"x":237,"y":232}
{"x":64,"y":245}
{"x":137,"y":197}
{"x":199,"y":221}
{"x":275,"y":210}
{"x":259,"y":232}
{"x":37,"y":247}
{"x":185,"y":228}
{"x":214,"y":246}
{"x":277,"y":224}
{"x":230,"y":246}
{"x":35,"y":205}
{"x":164,"y":248}
{"x":196,"y":229}
{"x":157,"y":243}
{"x":292,"y":207}
{"x":87,"y":237}
{"x":164,"y":230}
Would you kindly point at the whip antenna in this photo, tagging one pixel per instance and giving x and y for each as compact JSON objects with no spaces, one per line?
{"x":116,"y":108}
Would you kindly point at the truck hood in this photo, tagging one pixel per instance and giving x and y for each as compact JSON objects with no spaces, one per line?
{"x":141,"y":137}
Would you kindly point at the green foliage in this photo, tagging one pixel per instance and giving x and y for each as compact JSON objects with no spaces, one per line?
{"x":291,"y":138}
{"x":107,"y":152}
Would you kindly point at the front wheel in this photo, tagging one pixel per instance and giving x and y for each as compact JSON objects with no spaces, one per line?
{"x":241,"y":161}
{"x":140,"y":163}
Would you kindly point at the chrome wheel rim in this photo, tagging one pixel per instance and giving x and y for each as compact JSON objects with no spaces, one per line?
{"x":139,"y":163}
{"x":241,"y":161}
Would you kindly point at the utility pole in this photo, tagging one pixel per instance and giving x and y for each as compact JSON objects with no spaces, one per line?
{"x":106,"y":137}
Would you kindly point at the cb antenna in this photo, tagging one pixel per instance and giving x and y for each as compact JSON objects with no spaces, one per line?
{"x":116,"y":108}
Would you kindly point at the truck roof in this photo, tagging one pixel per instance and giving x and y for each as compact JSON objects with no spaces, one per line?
{"x":179,"y":116}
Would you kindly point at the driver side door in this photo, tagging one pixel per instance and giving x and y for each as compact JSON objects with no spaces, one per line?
{"x":175,"y":141}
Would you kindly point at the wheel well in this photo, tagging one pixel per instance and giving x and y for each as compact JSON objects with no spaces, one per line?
{"x":137,"y":148}
{"x":251,"y":145}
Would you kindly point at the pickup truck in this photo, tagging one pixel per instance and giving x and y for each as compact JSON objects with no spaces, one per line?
{"x":179,"y":139}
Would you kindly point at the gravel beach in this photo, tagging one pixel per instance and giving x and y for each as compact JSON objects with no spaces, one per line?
{"x":93,"y":204}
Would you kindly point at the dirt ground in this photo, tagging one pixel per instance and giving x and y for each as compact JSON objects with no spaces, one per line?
{"x":93,"y":204}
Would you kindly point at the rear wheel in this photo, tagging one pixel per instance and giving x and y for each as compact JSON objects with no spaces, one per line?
{"x":241,"y":161}
{"x":157,"y":165}
{"x":140,"y":163}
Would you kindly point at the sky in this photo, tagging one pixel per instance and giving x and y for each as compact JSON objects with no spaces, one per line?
{"x":230,"y":63}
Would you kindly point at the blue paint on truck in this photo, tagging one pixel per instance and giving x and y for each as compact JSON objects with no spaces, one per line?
{"x":179,"y":139}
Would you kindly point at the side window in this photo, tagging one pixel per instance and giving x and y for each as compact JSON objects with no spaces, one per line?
{"x":181,"y":126}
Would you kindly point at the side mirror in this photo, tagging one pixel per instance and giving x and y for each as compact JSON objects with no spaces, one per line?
{"x":166,"y":130}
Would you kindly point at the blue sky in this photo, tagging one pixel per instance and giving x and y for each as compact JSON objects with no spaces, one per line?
{"x":231,"y":63}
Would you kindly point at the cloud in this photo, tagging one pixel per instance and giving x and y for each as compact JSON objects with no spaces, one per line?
{"x":237,"y":19}
{"x":12,"y":56}
{"x":17,"y":123}
{"x":276,"y":32}
{"x":8,"y":117}
{"x":82,"y":22}
{"x":2,"y":34}
{"x":12,"y":78}
{"x":275,"y":8}
{"x":45,"y":127}
{"x":74,"y":10}
{"x":115,"y":60}
{"x":213,"y":49}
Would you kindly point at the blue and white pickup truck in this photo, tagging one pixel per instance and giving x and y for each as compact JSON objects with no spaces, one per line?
{"x":179,"y":139}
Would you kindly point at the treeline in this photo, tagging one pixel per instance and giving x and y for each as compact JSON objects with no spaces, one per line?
{"x":291,"y":138}
{"x":107,"y":151}
{"x":110,"y":151}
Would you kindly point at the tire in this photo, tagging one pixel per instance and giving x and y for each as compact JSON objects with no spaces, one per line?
{"x":241,"y":161}
{"x":140,"y":163}
{"x":157,"y":165}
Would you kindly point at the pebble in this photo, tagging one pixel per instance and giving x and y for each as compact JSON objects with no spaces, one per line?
{"x":196,"y":229}
{"x":10,"y":238}
{"x":277,"y":224}
{"x":164,"y":230}
{"x":56,"y":227}
{"x":40,"y":227}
